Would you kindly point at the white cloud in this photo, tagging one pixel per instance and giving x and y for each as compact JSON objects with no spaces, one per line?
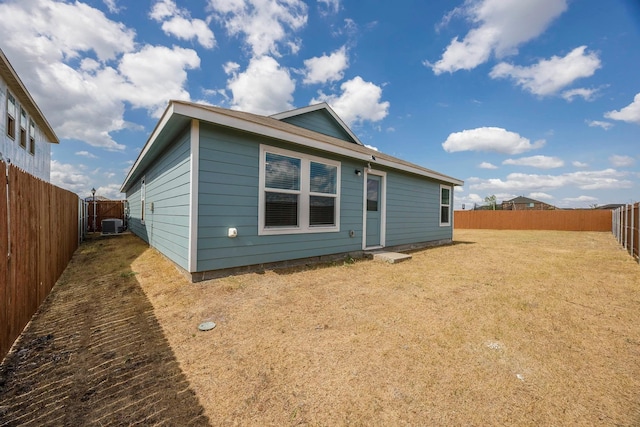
{"x":585,"y":199}
{"x":371,"y":147}
{"x":359,"y":102}
{"x":500,"y":27}
{"x":540,"y":196}
{"x":489,"y":139}
{"x":112,"y":6}
{"x":487,"y":165}
{"x":598,"y":123}
{"x":264,"y":88}
{"x":630,"y":113}
{"x":542,"y":162}
{"x":177,"y":22}
{"x":325,"y":68}
{"x":86,"y":154}
{"x":70,"y":177}
{"x":329,"y":6}
{"x":156,"y":74}
{"x":585,"y":180}
{"x":549,"y":76}
{"x":579,"y":164}
{"x":56,"y":30}
{"x":621,"y":161}
{"x":264,"y":23}
{"x":43,"y":35}
{"x":584,"y":93}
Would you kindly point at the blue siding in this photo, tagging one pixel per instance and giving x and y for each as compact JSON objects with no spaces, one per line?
{"x":320,"y":121}
{"x":413,"y":210}
{"x":167,"y":186}
{"x":229,"y":174}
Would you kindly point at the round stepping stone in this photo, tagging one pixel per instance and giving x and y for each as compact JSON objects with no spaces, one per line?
{"x":206,"y":326}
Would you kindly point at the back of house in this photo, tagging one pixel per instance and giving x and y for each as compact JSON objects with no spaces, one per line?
{"x":219,"y":191}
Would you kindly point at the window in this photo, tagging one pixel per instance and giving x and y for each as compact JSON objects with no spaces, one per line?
{"x":298,"y":193}
{"x":32,"y":137}
{"x":445,"y":205}
{"x":23,"y":128}
{"x":143,"y":194}
{"x":11,"y":116}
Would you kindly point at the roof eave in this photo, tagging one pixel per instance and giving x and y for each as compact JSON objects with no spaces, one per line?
{"x":208,"y":115}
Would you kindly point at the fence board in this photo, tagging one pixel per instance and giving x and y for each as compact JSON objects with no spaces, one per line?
{"x":38,"y":236}
{"x":626,"y":228}
{"x":4,"y":262}
{"x":104,"y":209}
{"x":566,"y":220}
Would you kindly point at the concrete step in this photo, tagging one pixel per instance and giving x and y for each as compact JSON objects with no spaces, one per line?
{"x":390,"y":257}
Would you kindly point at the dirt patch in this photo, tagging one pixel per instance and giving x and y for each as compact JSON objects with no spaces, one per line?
{"x":95,"y":353}
{"x":501,"y":328}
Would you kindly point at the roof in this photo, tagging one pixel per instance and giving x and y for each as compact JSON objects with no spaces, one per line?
{"x":179,"y":113}
{"x":522,"y":200}
{"x":611,"y":206}
{"x":20,"y":91}
{"x":316,"y":107}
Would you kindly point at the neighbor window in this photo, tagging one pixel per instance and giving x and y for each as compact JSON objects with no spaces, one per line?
{"x":32,"y":137}
{"x":23,"y":128}
{"x":445,"y":205}
{"x":298,"y":193}
{"x":11,"y":116}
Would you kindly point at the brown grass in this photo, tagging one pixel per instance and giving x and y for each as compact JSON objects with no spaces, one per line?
{"x":501,"y":328}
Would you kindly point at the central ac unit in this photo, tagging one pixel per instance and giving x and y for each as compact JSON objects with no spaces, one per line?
{"x":111,"y":226}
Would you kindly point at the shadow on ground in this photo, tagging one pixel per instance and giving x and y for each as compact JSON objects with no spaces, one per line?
{"x":95,"y":353}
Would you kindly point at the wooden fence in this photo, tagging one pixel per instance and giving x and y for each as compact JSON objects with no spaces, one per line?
{"x":568,"y":220}
{"x":39,"y":232}
{"x":626,"y":227}
{"x":103,"y":209}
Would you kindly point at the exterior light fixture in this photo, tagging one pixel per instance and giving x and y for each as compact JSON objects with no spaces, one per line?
{"x":358,"y":172}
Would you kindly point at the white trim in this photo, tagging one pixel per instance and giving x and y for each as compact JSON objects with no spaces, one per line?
{"x":143,"y":199}
{"x":304,"y":193}
{"x":234,"y":122}
{"x":449,"y":223}
{"x":203,"y":113}
{"x":383,"y":209}
{"x":147,"y":146}
{"x":194,"y":177}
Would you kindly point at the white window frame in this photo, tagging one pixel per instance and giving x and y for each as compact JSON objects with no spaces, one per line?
{"x":304,"y":194}
{"x":11,"y":118}
{"x":32,"y":137}
{"x":448,"y":223}
{"x":24,"y":124}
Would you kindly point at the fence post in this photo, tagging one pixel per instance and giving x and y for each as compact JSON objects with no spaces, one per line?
{"x":631,"y":229}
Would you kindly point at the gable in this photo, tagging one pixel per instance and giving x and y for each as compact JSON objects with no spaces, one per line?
{"x":319,"y":118}
{"x":322,"y":122}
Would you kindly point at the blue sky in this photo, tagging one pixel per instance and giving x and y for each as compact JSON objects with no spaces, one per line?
{"x":539,"y":98}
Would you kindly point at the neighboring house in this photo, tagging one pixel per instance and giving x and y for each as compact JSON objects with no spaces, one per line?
{"x":610,"y":206}
{"x":220,"y":191}
{"x":25,"y":134}
{"x":525,"y":204}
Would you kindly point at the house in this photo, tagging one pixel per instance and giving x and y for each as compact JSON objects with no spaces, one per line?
{"x":220,"y":191}
{"x":25,"y":134}
{"x":522,"y":203}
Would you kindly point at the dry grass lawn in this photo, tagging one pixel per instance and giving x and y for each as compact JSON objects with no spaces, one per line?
{"x":501,"y":328}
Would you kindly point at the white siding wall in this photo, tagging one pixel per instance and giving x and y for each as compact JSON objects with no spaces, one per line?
{"x":39,"y":164}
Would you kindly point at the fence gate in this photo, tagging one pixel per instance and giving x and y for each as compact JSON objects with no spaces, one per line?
{"x":103,"y":209}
